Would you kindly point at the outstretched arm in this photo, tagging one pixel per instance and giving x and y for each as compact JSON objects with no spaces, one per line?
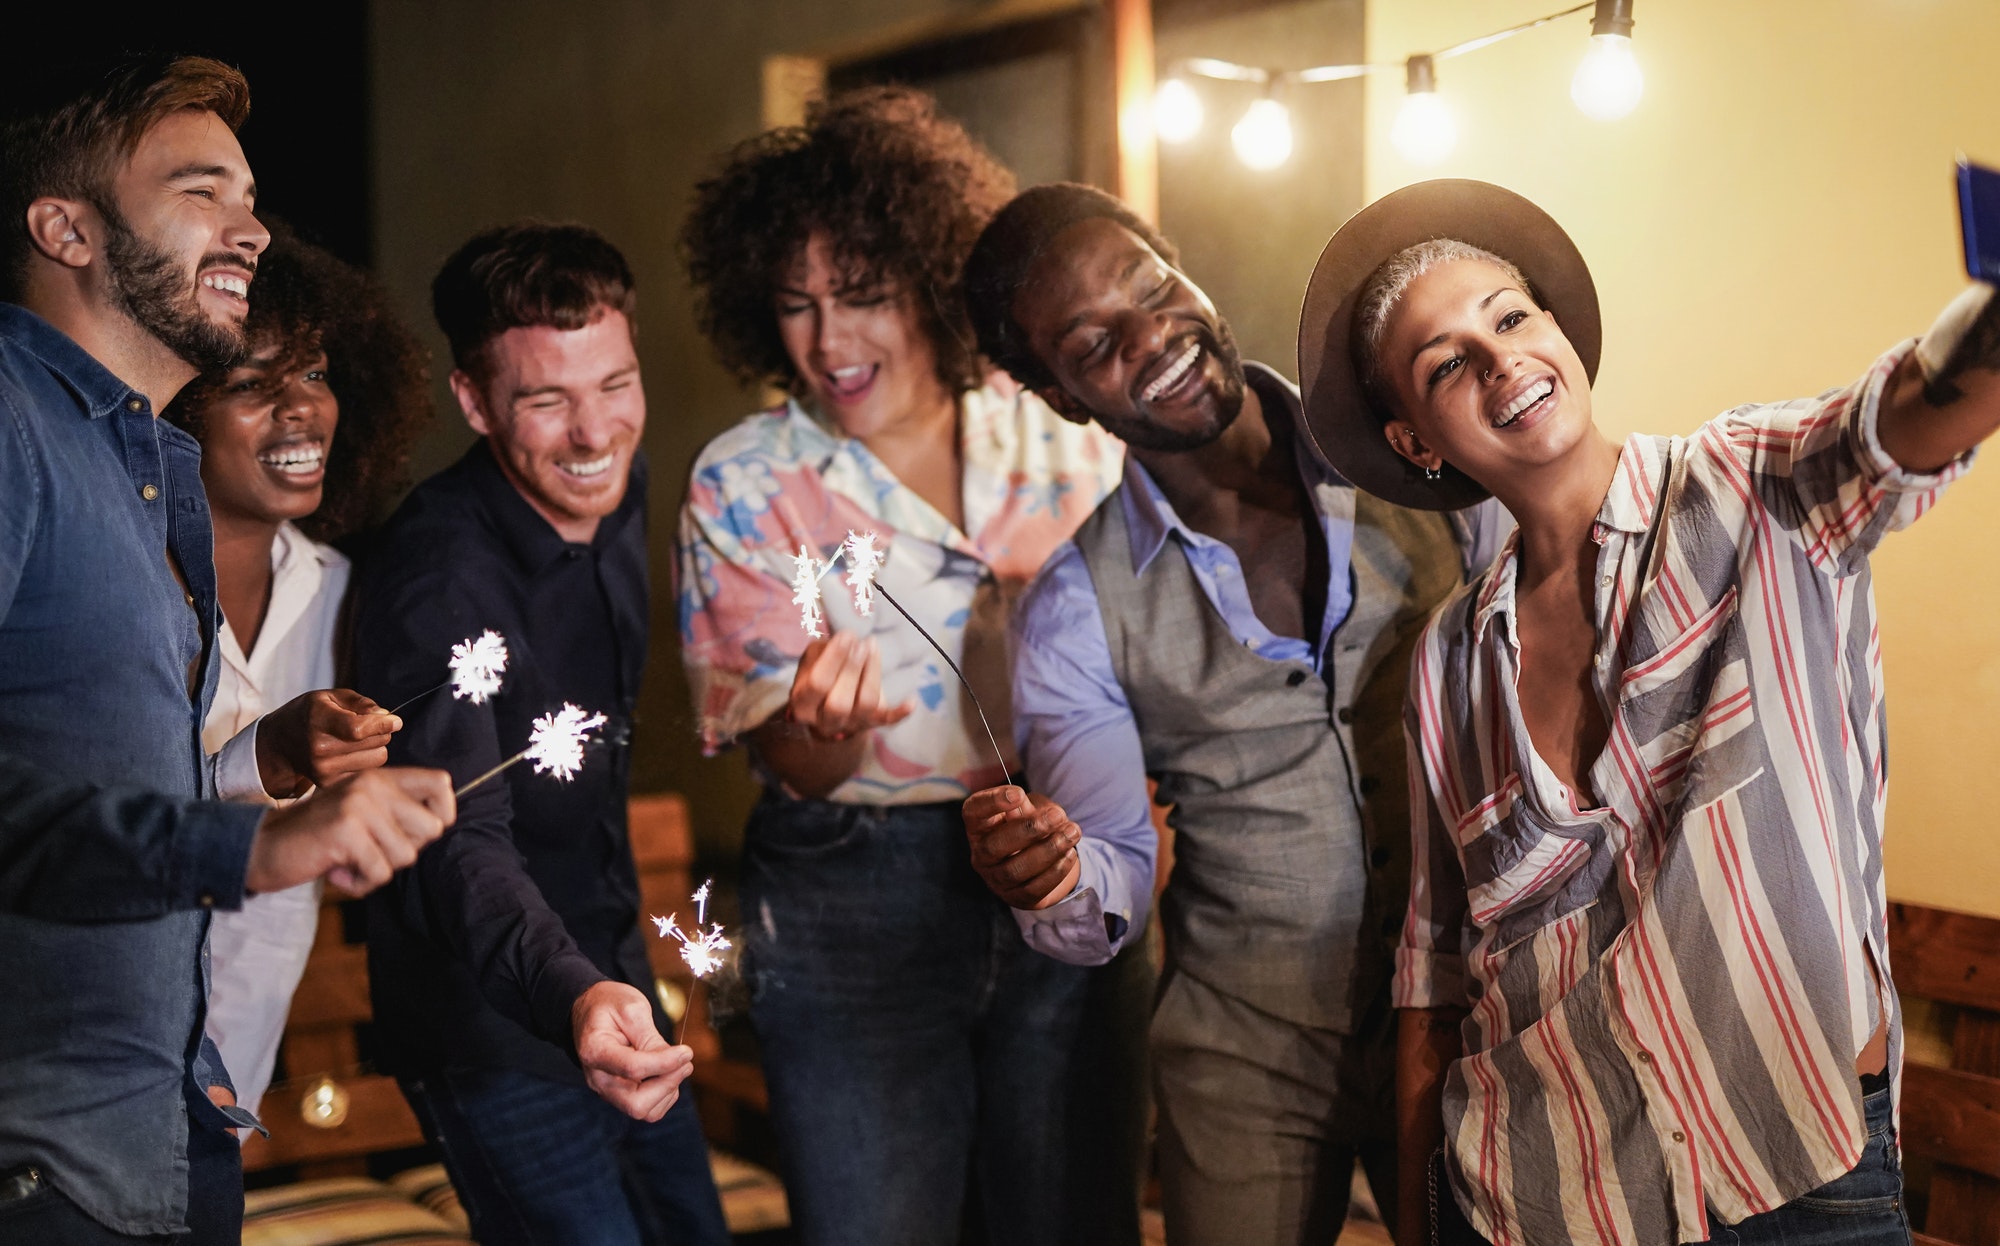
{"x":1945,"y":399}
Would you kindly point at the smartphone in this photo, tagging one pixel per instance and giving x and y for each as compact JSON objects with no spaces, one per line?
{"x":1979,"y":219}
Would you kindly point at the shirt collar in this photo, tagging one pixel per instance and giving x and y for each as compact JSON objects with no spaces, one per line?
{"x":533,"y":540}
{"x":1150,"y":518}
{"x":95,"y":387}
{"x":1628,"y":507}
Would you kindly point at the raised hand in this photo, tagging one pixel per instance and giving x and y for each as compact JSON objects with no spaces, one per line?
{"x":354,"y":832}
{"x":319,"y":737}
{"x":1023,"y":846}
{"x":837,"y":692}
{"x":624,"y":1058}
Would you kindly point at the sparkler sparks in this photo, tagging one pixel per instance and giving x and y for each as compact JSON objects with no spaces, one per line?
{"x":864,"y":562}
{"x":701,"y":949}
{"x":476,"y":667}
{"x":805,"y":590}
{"x":555,"y":742}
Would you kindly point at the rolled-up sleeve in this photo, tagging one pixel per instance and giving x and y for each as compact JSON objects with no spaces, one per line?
{"x":1081,"y":748}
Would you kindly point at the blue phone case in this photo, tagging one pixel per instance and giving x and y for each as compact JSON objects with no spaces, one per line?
{"x":1979,"y":219}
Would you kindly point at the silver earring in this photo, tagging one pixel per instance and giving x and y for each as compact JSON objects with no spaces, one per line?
{"x":1433,"y":473}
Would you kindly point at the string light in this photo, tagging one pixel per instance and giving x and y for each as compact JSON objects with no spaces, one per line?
{"x":1608,"y":82}
{"x":1425,"y":131}
{"x":1263,"y":138}
{"x":1607,"y":86}
{"x":1177,"y":111}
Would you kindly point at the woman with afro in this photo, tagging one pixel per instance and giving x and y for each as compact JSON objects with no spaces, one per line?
{"x":919,"y":1054}
{"x":323,"y":356}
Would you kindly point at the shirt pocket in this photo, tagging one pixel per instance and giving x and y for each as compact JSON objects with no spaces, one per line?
{"x":1689,"y":700}
{"x":1522,"y":869}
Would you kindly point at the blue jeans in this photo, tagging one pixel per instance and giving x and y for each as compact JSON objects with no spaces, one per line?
{"x":916,"y":1049}
{"x":1862,"y":1208}
{"x":541,"y":1162}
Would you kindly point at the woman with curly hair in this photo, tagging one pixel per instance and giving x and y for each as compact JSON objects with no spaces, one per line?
{"x":912,"y":1042}
{"x":323,"y":352}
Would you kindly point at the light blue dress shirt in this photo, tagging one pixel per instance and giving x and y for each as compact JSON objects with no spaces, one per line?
{"x":1078,"y":740}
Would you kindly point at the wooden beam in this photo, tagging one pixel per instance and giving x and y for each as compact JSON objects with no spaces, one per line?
{"x":1138,"y":168}
{"x":1952,"y":1117}
{"x":1953,"y":958}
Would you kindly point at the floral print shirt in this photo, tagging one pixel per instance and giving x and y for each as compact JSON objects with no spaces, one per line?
{"x":785,"y":478}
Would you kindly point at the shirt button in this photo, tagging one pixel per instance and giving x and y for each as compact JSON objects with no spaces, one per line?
{"x":207,"y":900}
{"x":1345,"y":714}
{"x":134,"y":404}
{"x":1679,"y":1136}
{"x":1598,"y":661}
{"x":149,"y":492}
{"x":1606,"y":581}
{"x":1645,"y":1057}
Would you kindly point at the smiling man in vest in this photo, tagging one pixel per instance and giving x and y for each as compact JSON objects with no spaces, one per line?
{"x":1235,"y":622}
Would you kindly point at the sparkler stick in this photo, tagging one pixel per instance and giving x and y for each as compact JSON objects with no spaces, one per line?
{"x":699,"y":949}
{"x":476,"y":667}
{"x":864,"y":562}
{"x":555,"y":745}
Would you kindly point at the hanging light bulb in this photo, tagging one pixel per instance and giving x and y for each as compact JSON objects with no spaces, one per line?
{"x":1263,"y":139}
{"x":1608,"y":82}
{"x":1424,"y":131}
{"x":1177,"y":112}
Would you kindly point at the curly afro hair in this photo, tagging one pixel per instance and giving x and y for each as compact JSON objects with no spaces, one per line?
{"x":310,"y":300}
{"x":1000,"y":260}
{"x":899,"y":192}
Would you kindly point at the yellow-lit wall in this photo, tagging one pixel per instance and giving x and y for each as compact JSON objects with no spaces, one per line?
{"x":1776,"y":212}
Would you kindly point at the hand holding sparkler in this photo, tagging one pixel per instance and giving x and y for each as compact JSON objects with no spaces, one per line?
{"x":625,"y":1061}
{"x":1023,"y":846}
{"x":319,"y":737}
{"x":354,"y":833}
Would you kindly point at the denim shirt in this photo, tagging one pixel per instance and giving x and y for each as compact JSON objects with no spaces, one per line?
{"x":108,"y":859}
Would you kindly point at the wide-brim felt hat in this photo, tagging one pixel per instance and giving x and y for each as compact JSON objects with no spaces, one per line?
{"x":1343,"y":424}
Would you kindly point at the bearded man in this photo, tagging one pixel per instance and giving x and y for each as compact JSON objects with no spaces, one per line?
{"x":127,"y":250}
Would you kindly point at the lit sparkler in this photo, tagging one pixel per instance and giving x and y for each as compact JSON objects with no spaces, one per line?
{"x":864,"y":563}
{"x":805,"y":590}
{"x":555,"y":745}
{"x":701,"y":949}
{"x":476,"y":667}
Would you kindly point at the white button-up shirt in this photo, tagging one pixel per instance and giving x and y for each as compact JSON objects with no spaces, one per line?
{"x":258,"y":954}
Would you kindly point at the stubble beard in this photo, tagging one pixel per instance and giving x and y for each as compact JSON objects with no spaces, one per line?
{"x":1144,"y":434}
{"x":162,"y":297}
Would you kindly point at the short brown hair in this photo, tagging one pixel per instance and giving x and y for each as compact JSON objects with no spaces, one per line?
{"x":526,"y":275}
{"x":84,"y":120}
{"x":899,"y":191}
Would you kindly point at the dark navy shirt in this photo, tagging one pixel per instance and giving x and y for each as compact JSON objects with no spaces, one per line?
{"x":476,"y":955}
{"x":108,"y":859}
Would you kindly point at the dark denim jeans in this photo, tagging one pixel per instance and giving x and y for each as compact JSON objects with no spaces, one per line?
{"x":1862,"y":1208}
{"x":916,"y":1049}
{"x":543,"y":1163}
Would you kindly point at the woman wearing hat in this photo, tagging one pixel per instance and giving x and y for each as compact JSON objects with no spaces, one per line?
{"x":1647,"y":876}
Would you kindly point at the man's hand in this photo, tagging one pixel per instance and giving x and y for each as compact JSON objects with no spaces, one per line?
{"x":319,"y":737}
{"x":624,"y":1058}
{"x":354,"y":833}
{"x":1024,"y":846}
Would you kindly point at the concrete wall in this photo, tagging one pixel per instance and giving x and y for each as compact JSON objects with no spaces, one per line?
{"x":1776,"y":213}
{"x":608,"y":111}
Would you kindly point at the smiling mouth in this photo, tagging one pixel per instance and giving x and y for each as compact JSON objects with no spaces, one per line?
{"x":589,"y":469}
{"x":302,"y":458}
{"x":851,"y":381}
{"x":1173,"y":374}
{"x":1527,"y":400}
{"x":230,"y":284}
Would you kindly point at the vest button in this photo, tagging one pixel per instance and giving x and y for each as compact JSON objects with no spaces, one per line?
{"x":1379,"y":857}
{"x":1370,"y":785}
{"x":1345,"y":714}
{"x":1294,"y":679}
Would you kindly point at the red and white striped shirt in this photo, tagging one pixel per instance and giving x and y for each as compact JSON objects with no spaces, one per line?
{"x":1668,"y":991}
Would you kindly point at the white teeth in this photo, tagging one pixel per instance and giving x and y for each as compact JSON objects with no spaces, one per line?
{"x":238,"y":286}
{"x":1534,"y":394}
{"x":1175,"y":371}
{"x":849,"y":373}
{"x":594,"y":467}
{"x":297,"y":460}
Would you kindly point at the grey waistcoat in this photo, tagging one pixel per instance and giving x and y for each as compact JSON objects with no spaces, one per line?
{"x":1291,"y":805}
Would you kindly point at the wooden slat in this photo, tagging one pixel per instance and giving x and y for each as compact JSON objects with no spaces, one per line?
{"x":334,"y":989}
{"x":1965,"y":1205}
{"x":1952,"y":1117}
{"x":662,"y":836}
{"x":1925,"y":1239}
{"x":1953,"y":958}
{"x":378,"y":1119}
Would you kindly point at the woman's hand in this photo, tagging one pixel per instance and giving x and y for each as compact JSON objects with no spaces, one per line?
{"x":814,"y":745}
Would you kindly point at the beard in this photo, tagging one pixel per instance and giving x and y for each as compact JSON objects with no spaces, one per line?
{"x":161,"y":296}
{"x":1144,"y":433}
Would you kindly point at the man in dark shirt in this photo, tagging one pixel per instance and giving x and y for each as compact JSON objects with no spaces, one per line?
{"x":513,"y":953}
{"x":128,"y":245}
